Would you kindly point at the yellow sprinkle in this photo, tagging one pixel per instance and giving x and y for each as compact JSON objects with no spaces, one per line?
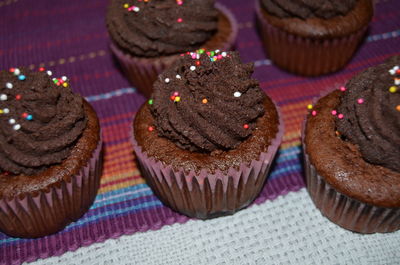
{"x":177,"y":99}
{"x":309,"y":106}
{"x":126,"y":5}
{"x":392,"y":89}
{"x":65,"y":84}
{"x":204,"y":101}
{"x":1,"y":111}
{"x":398,"y":107}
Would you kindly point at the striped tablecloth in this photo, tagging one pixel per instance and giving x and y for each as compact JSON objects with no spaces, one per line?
{"x":70,"y":38}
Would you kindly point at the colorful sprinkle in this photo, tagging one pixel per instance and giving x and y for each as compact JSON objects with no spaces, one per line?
{"x":24,"y":115}
{"x":9,"y":85}
{"x":6,"y":110}
{"x":398,"y":107}
{"x":18,"y":97}
{"x":309,"y":106}
{"x":334,"y":112}
{"x":392,"y":89}
{"x":177,"y":99}
{"x":126,"y":5}
{"x":166,"y":80}
{"x":397,"y":81}
{"x":192,"y":68}
{"x":65,"y":84}
{"x":41,"y":69}
{"x":16,"y":71}
{"x":49,"y":73}
{"x":204,"y":101}
{"x":179,"y":20}
{"x":29,"y":117}
{"x":150,"y":102}
{"x":342,"y":89}
{"x":246,"y":126}
{"x":3,"y":97}
{"x":11,"y":121}
{"x":151,"y":128}
{"x":237,"y":94}
{"x":360,"y":101}
{"x":21,"y":77}
{"x":16,"y":127}
{"x":314,"y":113}
{"x":178,"y":76}
{"x":340,"y":116}
{"x":179,"y":2}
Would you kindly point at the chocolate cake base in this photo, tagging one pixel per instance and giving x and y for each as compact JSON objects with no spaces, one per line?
{"x":39,"y":205}
{"x":204,"y":185}
{"x":349,"y":191}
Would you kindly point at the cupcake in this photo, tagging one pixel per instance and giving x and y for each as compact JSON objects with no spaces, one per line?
{"x":312,"y":38}
{"x":206,"y":139}
{"x":351,"y":144}
{"x":148,"y":36}
{"x":50,"y":153}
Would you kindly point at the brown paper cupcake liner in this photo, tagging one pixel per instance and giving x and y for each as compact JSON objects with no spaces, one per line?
{"x":306,"y":56}
{"x":343,"y":210}
{"x":206,"y":195}
{"x":142,"y":72}
{"x":43,"y":213}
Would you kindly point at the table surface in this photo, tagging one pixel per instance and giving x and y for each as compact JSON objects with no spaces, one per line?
{"x":282,"y":227}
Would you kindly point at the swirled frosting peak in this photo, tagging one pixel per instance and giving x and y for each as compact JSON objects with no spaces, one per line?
{"x":370,"y":113}
{"x":308,"y":8}
{"x":161,"y":27}
{"x":207,"y":101}
{"x":40,"y":120}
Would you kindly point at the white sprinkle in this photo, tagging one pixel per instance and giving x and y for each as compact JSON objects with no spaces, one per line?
{"x":136,"y":9}
{"x":6,"y":110}
{"x":64,"y":78}
{"x":49,"y":72}
{"x":397,"y":81}
{"x":223,"y":54}
{"x":11,"y":121}
{"x":178,"y":77}
{"x":197,"y":56}
{"x":237,"y":94}
{"x":392,"y":71}
{"x":3,"y":97}
{"x":217,"y":51}
{"x":17,"y":71}
{"x":396,"y":67}
{"x":192,"y":67}
{"x":9,"y":85}
{"x":167,"y":80}
{"x":17,"y":127}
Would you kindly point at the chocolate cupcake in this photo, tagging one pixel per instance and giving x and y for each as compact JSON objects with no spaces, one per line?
{"x":312,"y":37}
{"x":148,"y":36}
{"x":351,"y":147}
{"x":207,"y":138}
{"x":50,"y":153}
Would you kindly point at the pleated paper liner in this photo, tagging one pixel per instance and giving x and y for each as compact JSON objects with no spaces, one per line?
{"x":142,"y":71}
{"x":306,"y":56}
{"x":206,"y":195}
{"x":343,"y":210}
{"x":43,"y":213}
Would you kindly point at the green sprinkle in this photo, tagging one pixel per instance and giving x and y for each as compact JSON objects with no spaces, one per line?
{"x":201,"y":51}
{"x":212,"y":54}
{"x":150,"y":102}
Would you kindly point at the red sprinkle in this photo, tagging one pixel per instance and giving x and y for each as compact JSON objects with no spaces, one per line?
{"x":41,"y":69}
{"x":24,"y":115}
{"x":246,"y":126}
{"x":198,"y":63}
{"x":12,"y":70}
{"x":151,"y":128}
{"x":334,"y":112}
{"x":18,"y":97}
{"x":179,"y":20}
{"x":340,"y":116}
{"x":314,"y":113}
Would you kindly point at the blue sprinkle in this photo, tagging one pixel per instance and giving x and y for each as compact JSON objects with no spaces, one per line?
{"x":29,"y":117}
{"x":21,"y":77}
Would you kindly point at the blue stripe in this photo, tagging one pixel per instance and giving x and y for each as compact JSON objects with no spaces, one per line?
{"x":115,"y":93}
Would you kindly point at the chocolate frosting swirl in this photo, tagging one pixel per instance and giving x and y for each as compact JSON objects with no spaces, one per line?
{"x":154,"y":29}
{"x":371,"y":118}
{"x":308,"y":8}
{"x":29,"y":144}
{"x":217,"y":106}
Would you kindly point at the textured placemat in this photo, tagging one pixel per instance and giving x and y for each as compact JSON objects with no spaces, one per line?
{"x":70,"y":38}
{"x":285,"y":231}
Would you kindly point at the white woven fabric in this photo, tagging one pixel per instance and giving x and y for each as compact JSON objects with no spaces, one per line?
{"x":288,"y":230}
